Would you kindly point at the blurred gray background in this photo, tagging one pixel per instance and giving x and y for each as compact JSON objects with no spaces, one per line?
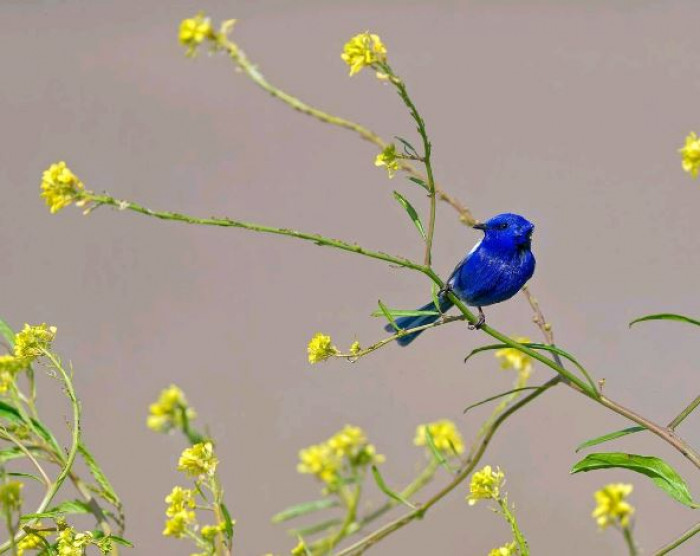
{"x":568,"y":112}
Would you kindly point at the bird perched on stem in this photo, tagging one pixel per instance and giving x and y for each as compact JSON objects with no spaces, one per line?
{"x":493,"y":271}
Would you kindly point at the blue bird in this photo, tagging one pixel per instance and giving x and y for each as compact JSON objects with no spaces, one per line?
{"x":493,"y":271}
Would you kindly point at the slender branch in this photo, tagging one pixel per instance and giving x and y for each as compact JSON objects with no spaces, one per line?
{"x":694,"y":530}
{"x":523,"y":548}
{"x":7,"y":434}
{"x":683,"y":414}
{"x":629,"y":540}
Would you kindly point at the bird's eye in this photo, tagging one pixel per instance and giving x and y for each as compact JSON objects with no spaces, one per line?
{"x":503,"y":225}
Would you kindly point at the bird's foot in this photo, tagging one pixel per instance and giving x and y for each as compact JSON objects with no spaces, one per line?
{"x":478,"y":325}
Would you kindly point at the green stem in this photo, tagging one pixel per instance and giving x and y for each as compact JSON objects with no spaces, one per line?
{"x":683,"y":414}
{"x":517,"y":533}
{"x":631,"y":546}
{"x":694,"y":530}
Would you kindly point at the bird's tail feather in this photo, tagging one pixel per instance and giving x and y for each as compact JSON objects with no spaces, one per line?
{"x":421,"y":320}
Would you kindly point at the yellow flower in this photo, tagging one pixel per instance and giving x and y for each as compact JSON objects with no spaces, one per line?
{"x":509,"y":549}
{"x":209,"y":532}
{"x":346,"y":441}
{"x":178,"y":500}
{"x":11,"y":495}
{"x":321,"y":348}
{"x":363,"y":50}
{"x":170,"y":411}
{"x":9,"y":367}
{"x":511,"y":358}
{"x":691,"y":154}
{"x":319,"y":460}
{"x":446,"y":436}
{"x":60,"y":187}
{"x":612,"y":507}
{"x":485,"y":484}
{"x":193,"y":32}
{"x":71,"y":543}
{"x":355,"y":348}
{"x":33,"y":340}
{"x":32,"y":541}
{"x":177,"y":524}
{"x":388,"y":158}
{"x":198,"y":460}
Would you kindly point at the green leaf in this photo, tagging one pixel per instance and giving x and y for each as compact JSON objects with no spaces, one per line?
{"x":7,"y":333}
{"x":303,"y":509}
{"x":64,"y":508}
{"x":512,"y":391}
{"x":408,"y":207}
{"x":23,"y":475}
{"x":10,"y":414}
{"x":404,"y":313}
{"x":386,"y":490}
{"x":407,"y":147}
{"x":107,"y":490}
{"x":663,"y":475}
{"x":666,"y":316}
{"x":228,"y":522}
{"x":608,"y":437}
{"x":388,"y":316}
{"x":317,"y":528}
{"x":15,"y":453}
{"x":121,"y":540}
{"x":419,"y":182}
{"x":437,"y":454}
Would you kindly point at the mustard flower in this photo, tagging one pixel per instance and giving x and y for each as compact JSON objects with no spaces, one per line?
{"x":612,"y":508}
{"x":363,"y":50}
{"x":198,"y":460}
{"x":389,"y":159}
{"x":485,"y":484}
{"x":177,"y":525}
{"x":178,"y":500}
{"x":32,"y":541}
{"x":511,"y":358}
{"x":319,"y":460}
{"x":690,"y":153}
{"x":194,"y":31}
{"x":321,"y":348}
{"x":351,"y":443}
{"x":446,"y":436}
{"x":509,"y":549}
{"x":33,"y":340}
{"x":209,"y":532}
{"x":169,"y":411}
{"x":9,"y":367}
{"x":11,"y":495}
{"x":71,"y":543}
{"x":61,"y":187}
{"x":355,"y":348}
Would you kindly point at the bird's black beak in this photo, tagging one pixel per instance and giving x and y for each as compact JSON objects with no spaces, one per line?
{"x":479,"y":226}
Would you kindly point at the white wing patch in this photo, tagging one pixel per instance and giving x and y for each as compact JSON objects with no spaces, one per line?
{"x":475,"y":248}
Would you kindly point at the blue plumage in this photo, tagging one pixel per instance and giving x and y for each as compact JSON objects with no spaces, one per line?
{"x":493,"y":271}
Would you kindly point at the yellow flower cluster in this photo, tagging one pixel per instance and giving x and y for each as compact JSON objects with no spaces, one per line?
{"x":71,"y":543}
{"x":511,"y":358}
{"x":32,"y":541}
{"x":194,"y":31}
{"x":612,"y":508}
{"x":446,"y":436}
{"x":169,"y":411}
{"x":9,"y":367}
{"x":32,"y":341}
{"x":389,"y":159}
{"x":61,"y":187}
{"x":363,"y":50}
{"x":11,"y":496}
{"x":509,"y":549}
{"x":690,"y":153}
{"x":180,"y":505}
{"x":326,"y":460}
{"x":485,"y":484}
{"x":198,"y":460}
{"x":321,"y":348}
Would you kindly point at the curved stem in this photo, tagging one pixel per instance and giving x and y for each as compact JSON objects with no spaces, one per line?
{"x":523,"y":548}
{"x":629,"y":540}
{"x":694,"y":530}
{"x":683,"y":414}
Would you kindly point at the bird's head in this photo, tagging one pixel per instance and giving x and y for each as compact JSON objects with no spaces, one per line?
{"x":507,"y":231}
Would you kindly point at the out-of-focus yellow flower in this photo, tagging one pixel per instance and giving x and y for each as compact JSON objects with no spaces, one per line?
{"x":347,"y":441}
{"x":194,"y":31}
{"x":319,"y":460}
{"x":71,"y":543}
{"x":177,"y":524}
{"x":690,"y":153}
{"x":511,"y":358}
{"x":9,"y":367}
{"x":178,"y":500}
{"x":363,"y":50}
{"x":11,"y":495}
{"x":300,"y":549}
{"x":169,"y":411}
{"x":446,"y":436}
{"x":509,"y":549}
{"x":33,"y":340}
{"x":321,"y":348}
{"x":612,"y":507}
{"x":61,"y":187}
{"x":389,"y":159}
{"x":32,"y":541}
{"x":209,"y":532}
{"x":485,"y":484}
{"x":355,"y":348}
{"x":198,"y":460}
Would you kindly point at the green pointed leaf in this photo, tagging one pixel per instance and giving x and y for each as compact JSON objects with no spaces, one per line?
{"x":64,"y":508}
{"x":512,"y":391}
{"x":419,"y":182}
{"x":10,"y":414}
{"x":314,"y":529}
{"x":388,"y":316}
{"x":608,"y":437}
{"x":24,"y":476}
{"x":228,"y":522}
{"x":404,"y":313}
{"x":107,"y":491}
{"x":303,"y":509}
{"x":121,"y":540}
{"x":663,"y":475}
{"x":437,"y":454}
{"x":386,"y":490}
{"x":408,"y":207}
{"x":408,"y":148}
{"x":7,"y":333}
{"x":666,"y":316}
